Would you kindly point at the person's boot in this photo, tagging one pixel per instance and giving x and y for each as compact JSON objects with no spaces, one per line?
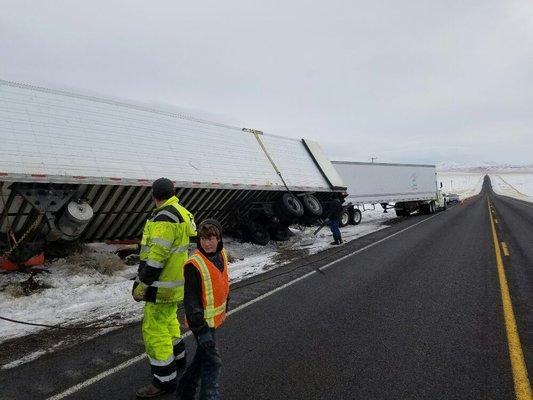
{"x":339,"y":239}
{"x":149,"y":391}
{"x":335,"y":240}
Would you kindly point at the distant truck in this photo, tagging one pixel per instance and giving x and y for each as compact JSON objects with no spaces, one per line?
{"x":79,"y":168}
{"x":410,"y":187}
{"x":452,"y":198}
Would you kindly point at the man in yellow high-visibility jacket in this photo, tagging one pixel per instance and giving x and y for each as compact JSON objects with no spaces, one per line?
{"x":164,"y":251}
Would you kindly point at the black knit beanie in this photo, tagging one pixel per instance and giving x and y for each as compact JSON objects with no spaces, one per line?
{"x":163,"y":189}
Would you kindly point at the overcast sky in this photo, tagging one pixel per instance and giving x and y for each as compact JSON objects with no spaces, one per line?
{"x":403,"y":81}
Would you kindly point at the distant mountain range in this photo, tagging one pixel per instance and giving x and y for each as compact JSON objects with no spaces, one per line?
{"x":484,"y":166}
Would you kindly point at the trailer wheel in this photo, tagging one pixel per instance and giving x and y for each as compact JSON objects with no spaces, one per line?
{"x":345,"y":218}
{"x":291,"y":206}
{"x":280,"y":233}
{"x":259,"y":235}
{"x":312,"y":206}
{"x":400,"y":212}
{"x":432,"y":207}
{"x":401,"y":209}
{"x":355,"y":217}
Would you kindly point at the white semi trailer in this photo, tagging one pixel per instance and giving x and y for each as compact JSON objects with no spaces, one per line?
{"x":79,"y":168}
{"x":410,"y":187}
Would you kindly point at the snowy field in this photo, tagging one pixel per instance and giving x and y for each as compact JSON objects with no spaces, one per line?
{"x":519,"y":186}
{"x":463,"y":184}
{"x":94,"y":287}
{"x":514,"y":184}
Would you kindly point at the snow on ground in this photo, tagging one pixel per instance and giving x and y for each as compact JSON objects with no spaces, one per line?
{"x":464,"y":184}
{"x":519,"y":186}
{"x":94,"y":288}
{"x":78,"y":290}
{"x":467,"y":180}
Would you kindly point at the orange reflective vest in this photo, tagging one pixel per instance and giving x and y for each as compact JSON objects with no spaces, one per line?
{"x":215,"y":287}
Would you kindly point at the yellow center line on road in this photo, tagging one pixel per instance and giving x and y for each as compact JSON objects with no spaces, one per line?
{"x":505,"y":249}
{"x":522,"y":385}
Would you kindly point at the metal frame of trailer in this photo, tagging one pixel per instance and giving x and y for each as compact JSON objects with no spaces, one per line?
{"x":120,"y":211}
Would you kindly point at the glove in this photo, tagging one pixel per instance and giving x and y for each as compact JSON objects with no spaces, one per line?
{"x":139,"y":291}
{"x":206,"y":339}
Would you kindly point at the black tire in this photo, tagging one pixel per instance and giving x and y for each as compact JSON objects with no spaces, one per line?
{"x":290,"y":206}
{"x":355,"y":217}
{"x":345,"y":218}
{"x":401,"y":209}
{"x":280,"y":233}
{"x":259,"y":236}
{"x":312,"y":206}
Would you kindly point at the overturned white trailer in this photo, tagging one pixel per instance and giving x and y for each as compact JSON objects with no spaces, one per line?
{"x":75,"y":167}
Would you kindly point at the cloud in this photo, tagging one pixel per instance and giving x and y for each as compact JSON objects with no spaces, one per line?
{"x":410,"y":81}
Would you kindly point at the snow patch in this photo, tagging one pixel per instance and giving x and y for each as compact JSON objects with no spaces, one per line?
{"x":464,"y":184}
{"x":482,"y":167}
{"x":519,"y":186}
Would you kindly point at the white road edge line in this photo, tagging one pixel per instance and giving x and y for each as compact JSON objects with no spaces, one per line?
{"x":138,"y":358}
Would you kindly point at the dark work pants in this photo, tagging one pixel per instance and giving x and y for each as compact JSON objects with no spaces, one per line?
{"x":205,"y":368}
{"x":334,"y":226}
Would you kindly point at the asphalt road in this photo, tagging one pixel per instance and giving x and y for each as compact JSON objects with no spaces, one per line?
{"x":415,"y":316}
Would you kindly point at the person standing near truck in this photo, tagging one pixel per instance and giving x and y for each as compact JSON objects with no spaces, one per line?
{"x":206,"y":302}
{"x":159,"y":283}
{"x":335,"y":215}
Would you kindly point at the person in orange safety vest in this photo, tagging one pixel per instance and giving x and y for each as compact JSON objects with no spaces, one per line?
{"x":205,"y":301}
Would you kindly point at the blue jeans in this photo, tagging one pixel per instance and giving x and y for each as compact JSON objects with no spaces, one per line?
{"x":334,"y":226}
{"x":205,"y":367}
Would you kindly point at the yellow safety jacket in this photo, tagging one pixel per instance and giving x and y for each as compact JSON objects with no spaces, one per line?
{"x":164,"y":251}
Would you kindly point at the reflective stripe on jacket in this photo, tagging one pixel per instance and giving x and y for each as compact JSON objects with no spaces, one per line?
{"x":164,"y":251}
{"x":215,"y":287}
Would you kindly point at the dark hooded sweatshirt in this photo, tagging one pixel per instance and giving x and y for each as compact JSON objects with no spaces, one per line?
{"x":335,"y":209}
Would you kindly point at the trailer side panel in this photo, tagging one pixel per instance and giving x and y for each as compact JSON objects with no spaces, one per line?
{"x":60,"y":137}
{"x":370,"y":183}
